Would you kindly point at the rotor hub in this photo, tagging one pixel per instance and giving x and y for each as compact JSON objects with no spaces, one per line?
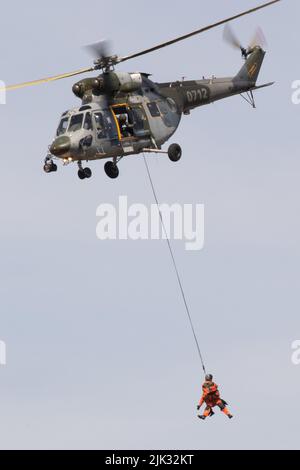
{"x":106,"y":63}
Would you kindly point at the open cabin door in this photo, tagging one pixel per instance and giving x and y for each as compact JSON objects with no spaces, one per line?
{"x":131,"y":122}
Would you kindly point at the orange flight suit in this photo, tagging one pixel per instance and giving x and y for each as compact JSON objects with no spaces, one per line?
{"x":211,"y":396}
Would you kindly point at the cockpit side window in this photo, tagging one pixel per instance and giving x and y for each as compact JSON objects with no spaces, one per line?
{"x":100,"y":126}
{"x":76,"y":122}
{"x":63,"y":126}
{"x":88,"y":124}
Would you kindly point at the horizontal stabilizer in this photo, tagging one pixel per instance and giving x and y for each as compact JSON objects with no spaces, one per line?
{"x":263,"y":86}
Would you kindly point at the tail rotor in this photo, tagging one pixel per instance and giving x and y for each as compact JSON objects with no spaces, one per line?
{"x":258,"y":40}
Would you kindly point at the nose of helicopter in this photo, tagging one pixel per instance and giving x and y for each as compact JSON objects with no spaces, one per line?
{"x":60,"y":146}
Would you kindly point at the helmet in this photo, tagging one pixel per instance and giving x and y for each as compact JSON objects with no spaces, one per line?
{"x":209,"y":378}
{"x":123,"y":119}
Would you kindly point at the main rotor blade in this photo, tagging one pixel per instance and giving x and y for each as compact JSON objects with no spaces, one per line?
{"x":199,"y":31}
{"x":47,"y":80}
{"x":99,"y":50}
{"x":133,"y":56}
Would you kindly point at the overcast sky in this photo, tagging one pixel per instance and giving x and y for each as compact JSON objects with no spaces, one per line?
{"x":100,"y":353}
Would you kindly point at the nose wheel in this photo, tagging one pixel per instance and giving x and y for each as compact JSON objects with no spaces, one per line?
{"x":84,"y":173}
{"x":112,"y":170}
{"x":50,"y":166}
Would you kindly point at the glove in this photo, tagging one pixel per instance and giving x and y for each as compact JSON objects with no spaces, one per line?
{"x":198,"y":408}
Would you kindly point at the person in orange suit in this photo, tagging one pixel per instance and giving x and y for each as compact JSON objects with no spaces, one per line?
{"x":211,"y":396}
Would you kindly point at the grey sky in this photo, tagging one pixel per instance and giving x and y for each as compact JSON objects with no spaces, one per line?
{"x":100,"y":354}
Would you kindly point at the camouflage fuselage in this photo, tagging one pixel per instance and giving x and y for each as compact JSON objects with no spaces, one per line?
{"x":153,"y":109}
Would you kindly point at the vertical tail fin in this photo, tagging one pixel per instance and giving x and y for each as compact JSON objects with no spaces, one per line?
{"x":250,"y":70}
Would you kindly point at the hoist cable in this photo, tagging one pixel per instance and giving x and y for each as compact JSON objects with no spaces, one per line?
{"x":176,"y":268}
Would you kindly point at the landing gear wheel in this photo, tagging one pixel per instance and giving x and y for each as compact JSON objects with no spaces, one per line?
{"x":88,"y":173}
{"x":84,"y":173}
{"x":47,"y":168}
{"x":111,"y":170}
{"x":81,"y":175}
{"x":175,"y":153}
{"x":50,"y":167}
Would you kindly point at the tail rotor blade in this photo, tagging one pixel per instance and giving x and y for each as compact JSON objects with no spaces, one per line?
{"x":230,"y":37}
{"x":259,"y":39}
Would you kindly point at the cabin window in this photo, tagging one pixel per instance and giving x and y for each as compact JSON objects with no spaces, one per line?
{"x":63,"y":126}
{"x":76,"y":123}
{"x":153,"y":108}
{"x":166,"y":113}
{"x":138,"y":119}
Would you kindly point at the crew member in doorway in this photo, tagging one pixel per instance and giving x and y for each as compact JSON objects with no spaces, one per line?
{"x":126,"y":129}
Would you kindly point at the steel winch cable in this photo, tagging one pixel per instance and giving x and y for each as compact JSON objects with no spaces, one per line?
{"x":176,"y":268}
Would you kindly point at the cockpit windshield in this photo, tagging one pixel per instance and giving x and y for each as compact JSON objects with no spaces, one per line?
{"x":76,"y":122}
{"x":63,"y":126}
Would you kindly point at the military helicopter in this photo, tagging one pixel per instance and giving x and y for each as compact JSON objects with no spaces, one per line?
{"x":125,"y":114}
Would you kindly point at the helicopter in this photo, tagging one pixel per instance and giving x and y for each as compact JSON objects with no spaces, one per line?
{"x":124,"y":114}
